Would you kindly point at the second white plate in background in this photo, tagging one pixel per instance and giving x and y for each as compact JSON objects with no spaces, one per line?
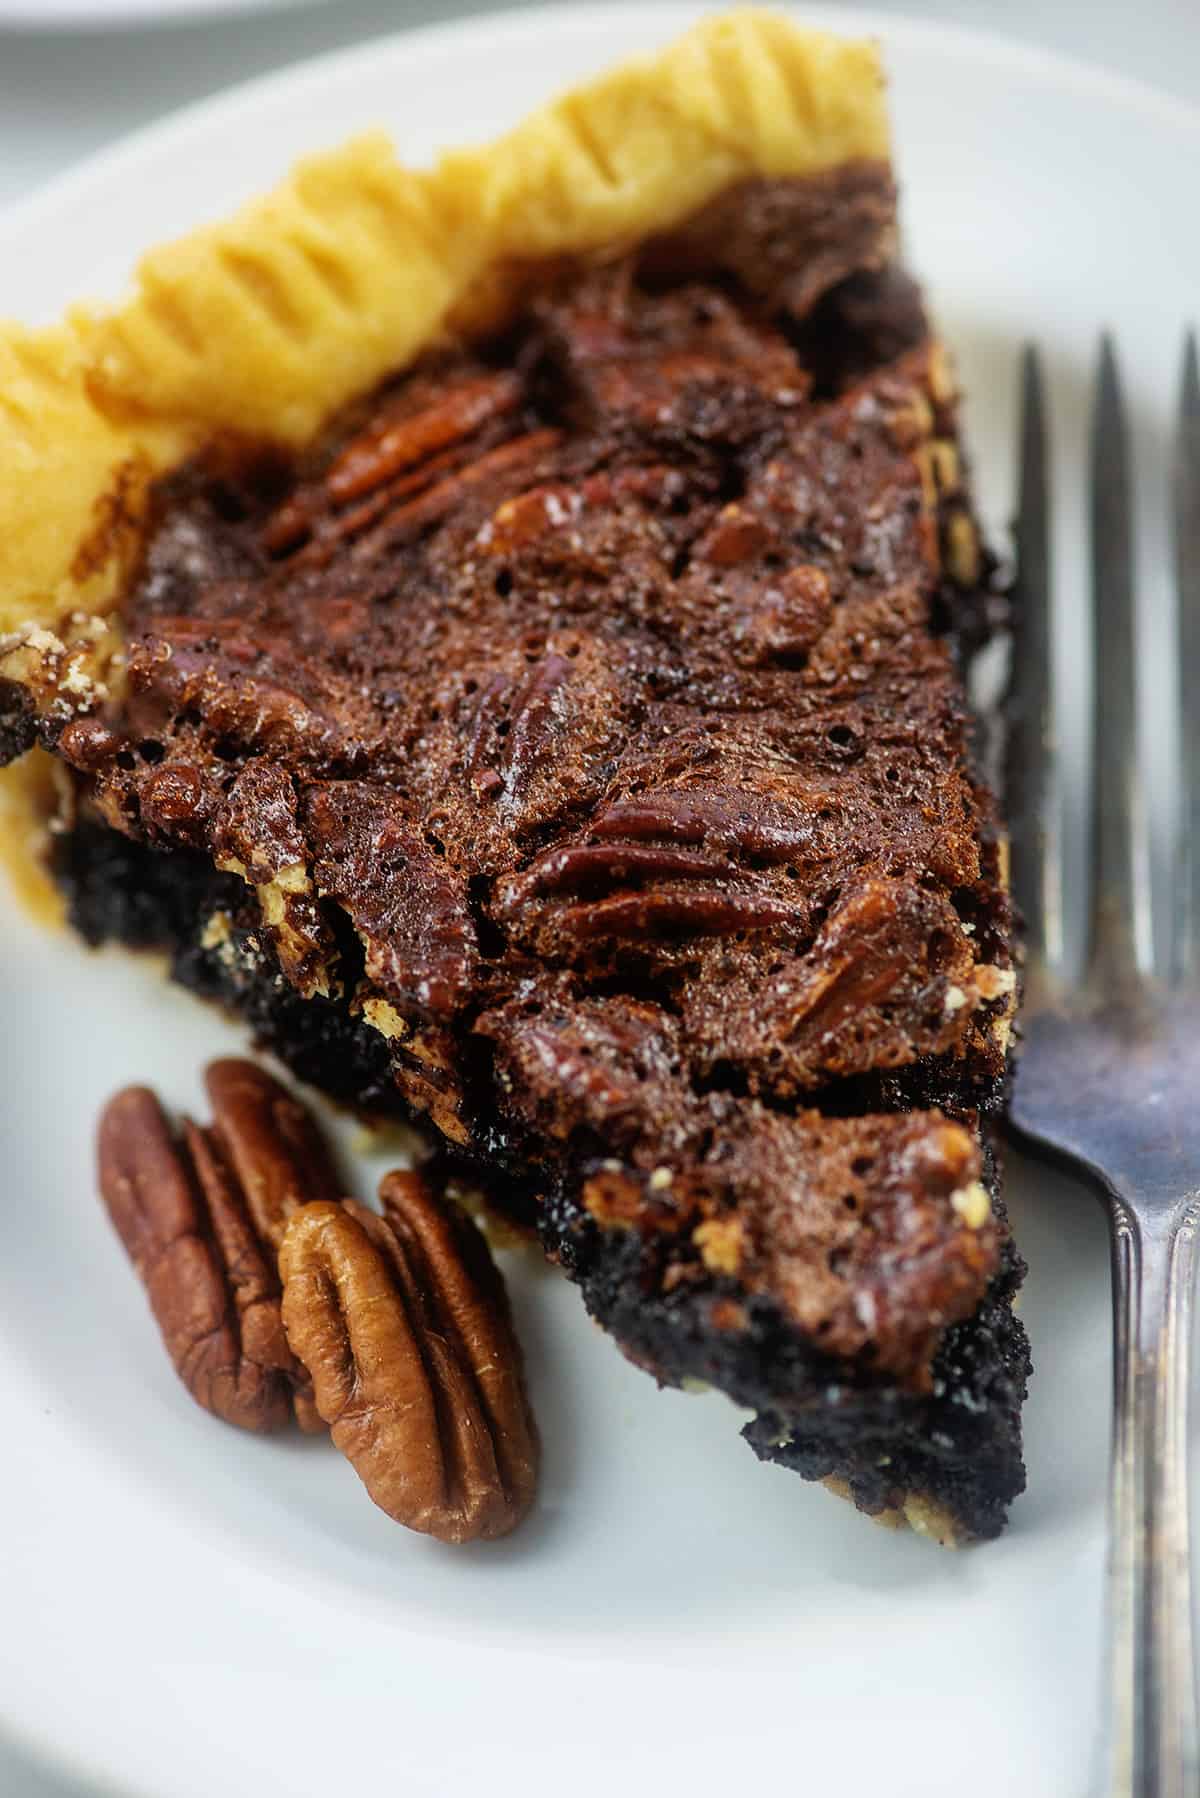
{"x":87,"y":15}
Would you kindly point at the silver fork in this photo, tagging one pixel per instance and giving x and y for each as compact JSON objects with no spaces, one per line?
{"x":1108,"y":1074}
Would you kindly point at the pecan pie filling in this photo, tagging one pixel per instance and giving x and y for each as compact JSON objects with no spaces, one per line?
{"x":570,"y":753}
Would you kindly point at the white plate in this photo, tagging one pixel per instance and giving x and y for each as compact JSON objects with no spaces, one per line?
{"x":188,"y":1612}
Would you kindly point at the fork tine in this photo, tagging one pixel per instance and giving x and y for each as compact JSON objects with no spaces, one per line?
{"x":1186,"y":524}
{"x":1119,"y":928}
{"x":1035,"y":799}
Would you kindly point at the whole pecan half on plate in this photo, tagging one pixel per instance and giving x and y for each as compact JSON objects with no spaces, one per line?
{"x":213,"y":1288}
{"x":270,"y":1141}
{"x":201,"y":1216}
{"x":403,"y":1324}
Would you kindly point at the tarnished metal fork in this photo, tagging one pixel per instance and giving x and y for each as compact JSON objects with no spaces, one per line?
{"x":1109,"y":1069}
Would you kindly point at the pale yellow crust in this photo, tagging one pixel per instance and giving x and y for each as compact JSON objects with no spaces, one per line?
{"x":914,"y":1512}
{"x":28,"y":801}
{"x":267,"y":322}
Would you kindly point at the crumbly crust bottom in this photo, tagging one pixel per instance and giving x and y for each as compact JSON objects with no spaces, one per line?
{"x":916,"y":1513}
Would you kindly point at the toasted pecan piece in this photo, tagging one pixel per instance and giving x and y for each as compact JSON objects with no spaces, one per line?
{"x":201,"y":1216}
{"x":403,"y":1324}
{"x":212,"y":1287}
{"x":271,"y":1143}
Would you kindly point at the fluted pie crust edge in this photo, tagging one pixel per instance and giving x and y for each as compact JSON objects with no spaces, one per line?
{"x":265,"y":323}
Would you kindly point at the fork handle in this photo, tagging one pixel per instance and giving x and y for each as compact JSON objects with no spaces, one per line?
{"x":1151,"y":1746}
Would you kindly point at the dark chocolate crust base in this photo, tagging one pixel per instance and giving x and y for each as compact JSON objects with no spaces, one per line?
{"x":958,"y":1447}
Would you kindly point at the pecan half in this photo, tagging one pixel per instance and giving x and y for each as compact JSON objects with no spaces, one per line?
{"x":270,"y":1142}
{"x":387,"y":461}
{"x":404,"y":1326}
{"x":212,"y":1288}
{"x":737,"y":821}
{"x":407,"y":904}
{"x":374,"y":458}
{"x":707,"y":911}
{"x":608,"y":865}
{"x":510,"y":459}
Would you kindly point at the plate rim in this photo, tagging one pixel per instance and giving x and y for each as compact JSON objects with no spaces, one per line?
{"x":510,"y":27}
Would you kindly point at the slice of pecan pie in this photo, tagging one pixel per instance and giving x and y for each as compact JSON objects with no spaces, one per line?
{"x":506,"y":627}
